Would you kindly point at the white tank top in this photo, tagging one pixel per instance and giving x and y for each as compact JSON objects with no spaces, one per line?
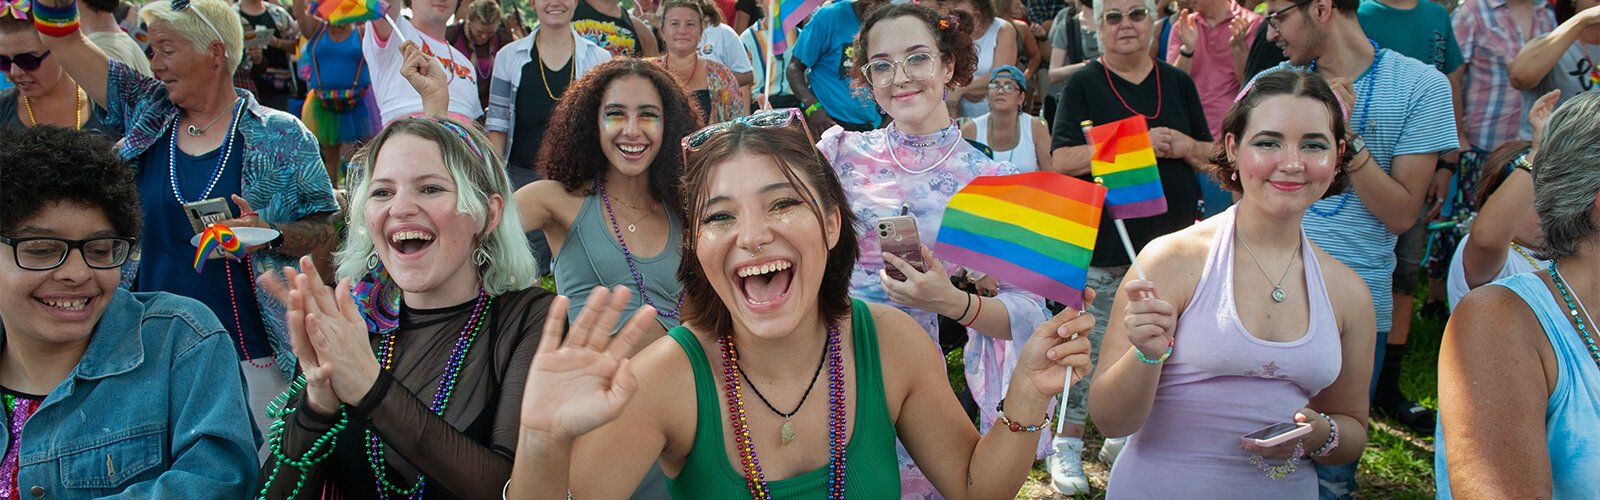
{"x":1023,"y":155}
{"x":985,"y":45}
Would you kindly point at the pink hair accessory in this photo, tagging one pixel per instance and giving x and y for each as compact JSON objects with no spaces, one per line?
{"x":15,"y":8}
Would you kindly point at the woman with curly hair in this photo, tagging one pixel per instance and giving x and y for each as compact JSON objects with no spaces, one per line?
{"x":613,"y":218}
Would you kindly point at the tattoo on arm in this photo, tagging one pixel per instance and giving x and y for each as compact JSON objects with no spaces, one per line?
{"x":306,"y":235}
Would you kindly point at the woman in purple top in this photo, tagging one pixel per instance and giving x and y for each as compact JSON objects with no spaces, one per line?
{"x":1281,"y":332}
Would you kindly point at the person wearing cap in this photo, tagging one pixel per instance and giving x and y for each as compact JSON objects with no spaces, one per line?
{"x":1015,"y":136}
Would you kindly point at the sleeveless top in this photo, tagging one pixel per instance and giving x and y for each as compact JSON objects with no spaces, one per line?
{"x":592,"y":257}
{"x":1023,"y":156}
{"x":871,"y":470}
{"x":336,"y":63}
{"x":985,"y":45}
{"x":1222,"y":383}
{"x":1573,"y":412}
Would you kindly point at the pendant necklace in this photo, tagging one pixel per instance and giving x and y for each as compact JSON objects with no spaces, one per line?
{"x":199,"y":131}
{"x":755,"y":480}
{"x":627,"y":255}
{"x":1277,"y":288}
{"x":788,"y":426}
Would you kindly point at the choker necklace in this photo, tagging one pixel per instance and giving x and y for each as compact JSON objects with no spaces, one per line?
{"x":227,"y":150}
{"x":1277,"y":288}
{"x":788,"y":426}
{"x":948,"y":151}
{"x":753,"y":476}
{"x":638,"y":279}
{"x":198,"y":131}
{"x":1574,"y":306}
{"x":77,"y":109}
{"x":904,"y":138}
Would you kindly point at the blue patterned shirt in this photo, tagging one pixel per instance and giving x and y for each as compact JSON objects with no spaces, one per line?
{"x":283,"y":177}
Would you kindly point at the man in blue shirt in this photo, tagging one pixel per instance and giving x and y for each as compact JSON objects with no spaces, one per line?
{"x":819,"y":68}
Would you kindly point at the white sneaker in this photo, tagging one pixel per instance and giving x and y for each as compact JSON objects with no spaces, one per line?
{"x":1111,"y":448}
{"x":1066,"y":466}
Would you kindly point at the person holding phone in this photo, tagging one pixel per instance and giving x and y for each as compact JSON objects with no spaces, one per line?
{"x":1241,"y":323}
{"x":908,"y":56}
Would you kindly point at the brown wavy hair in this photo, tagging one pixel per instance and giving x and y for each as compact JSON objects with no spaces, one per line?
{"x":952,"y":33}
{"x":571,"y":151}
{"x":1290,"y":83}
{"x":792,"y":150}
{"x":1489,"y":177}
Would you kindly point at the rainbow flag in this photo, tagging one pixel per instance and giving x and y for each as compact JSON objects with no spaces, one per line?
{"x":1034,"y":230}
{"x":347,"y":11}
{"x":213,"y":238}
{"x":790,"y":13}
{"x":1124,"y":163}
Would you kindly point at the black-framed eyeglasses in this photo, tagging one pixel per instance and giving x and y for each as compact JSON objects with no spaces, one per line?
{"x":44,"y":254}
{"x":1275,"y":18}
{"x":771,"y":118}
{"x":28,"y":62}
{"x":918,"y":66}
{"x":1136,"y":14}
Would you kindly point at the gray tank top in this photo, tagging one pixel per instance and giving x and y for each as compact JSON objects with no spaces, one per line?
{"x":592,"y":257}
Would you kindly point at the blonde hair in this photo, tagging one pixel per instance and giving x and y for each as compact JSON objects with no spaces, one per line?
{"x":201,"y":23}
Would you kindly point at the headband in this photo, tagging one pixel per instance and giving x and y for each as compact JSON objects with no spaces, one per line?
{"x":1342,"y":112}
{"x":461,"y":132}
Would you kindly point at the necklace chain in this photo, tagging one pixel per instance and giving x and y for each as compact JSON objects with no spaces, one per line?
{"x":1277,"y":288}
{"x":572,"y":73}
{"x":821,"y":359}
{"x":948,"y":151}
{"x":1574,"y":306}
{"x":227,"y":150}
{"x":1154,"y":68}
{"x":638,"y":278}
{"x":77,"y":109}
{"x":755,"y":479}
{"x":1524,"y":253}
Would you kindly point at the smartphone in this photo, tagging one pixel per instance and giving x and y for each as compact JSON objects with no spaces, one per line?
{"x":897,"y":235}
{"x":1276,"y":434}
{"x":205,"y":212}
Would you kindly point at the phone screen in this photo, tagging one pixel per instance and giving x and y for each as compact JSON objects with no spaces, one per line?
{"x":1270,"y":431}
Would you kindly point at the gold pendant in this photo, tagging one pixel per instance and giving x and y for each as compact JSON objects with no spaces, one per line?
{"x":788,"y":431}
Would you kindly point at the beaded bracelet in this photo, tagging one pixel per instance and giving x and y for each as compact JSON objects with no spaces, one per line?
{"x":1013,"y":425}
{"x":55,"y":21}
{"x":1333,"y":438}
{"x":319,"y":451}
{"x":1157,"y":361}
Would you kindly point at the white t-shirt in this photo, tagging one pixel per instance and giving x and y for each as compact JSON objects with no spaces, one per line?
{"x":721,"y":44}
{"x":396,"y":98}
{"x":120,"y":46}
{"x":1456,"y":284}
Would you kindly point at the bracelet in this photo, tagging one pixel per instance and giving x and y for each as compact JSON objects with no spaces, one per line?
{"x":54,"y":21}
{"x":969,"y":306}
{"x":1333,"y":438}
{"x":1013,"y":425}
{"x":1185,"y":53}
{"x":1157,"y":361}
{"x":975,"y":315}
{"x":1444,"y":165}
{"x":813,"y":108}
{"x":1522,"y":163}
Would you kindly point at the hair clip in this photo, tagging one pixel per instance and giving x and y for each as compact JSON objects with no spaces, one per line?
{"x":15,"y":8}
{"x":944,"y":24}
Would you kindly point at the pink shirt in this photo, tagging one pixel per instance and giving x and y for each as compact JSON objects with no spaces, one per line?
{"x":1212,"y":65}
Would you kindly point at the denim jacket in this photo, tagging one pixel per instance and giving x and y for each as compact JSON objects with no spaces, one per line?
{"x":283,"y":177}
{"x":155,"y":409}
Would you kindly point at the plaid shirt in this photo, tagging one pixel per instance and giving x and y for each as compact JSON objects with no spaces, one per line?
{"x":1043,"y":11}
{"x":1490,"y":39}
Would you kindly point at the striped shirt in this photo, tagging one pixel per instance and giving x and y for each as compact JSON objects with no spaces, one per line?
{"x":1490,"y":39}
{"x":1402,"y":107}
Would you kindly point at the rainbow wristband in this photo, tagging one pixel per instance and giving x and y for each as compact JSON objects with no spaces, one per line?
{"x":1157,"y":361}
{"x":55,"y":21}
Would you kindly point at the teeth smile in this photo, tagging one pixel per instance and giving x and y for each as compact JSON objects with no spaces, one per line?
{"x":770,"y":267}
{"x":410,"y":235}
{"x":631,"y":149}
{"x":70,"y":305}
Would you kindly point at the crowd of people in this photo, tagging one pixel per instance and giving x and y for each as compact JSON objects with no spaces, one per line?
{"x":635,"y":206}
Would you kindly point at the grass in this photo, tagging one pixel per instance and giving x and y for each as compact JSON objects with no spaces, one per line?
{"x":1397,"y":464}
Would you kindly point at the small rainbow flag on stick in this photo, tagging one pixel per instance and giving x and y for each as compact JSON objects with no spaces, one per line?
{"x":1124,"y":162}
{"x":217,"y":237}
{"x":1034,"y":230}
{"x":348,"y":11}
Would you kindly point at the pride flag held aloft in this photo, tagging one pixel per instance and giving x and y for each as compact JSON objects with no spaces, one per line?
{"x":348,"y":11}
{"x":1035,"y":230}
{"x":1125,"y":164}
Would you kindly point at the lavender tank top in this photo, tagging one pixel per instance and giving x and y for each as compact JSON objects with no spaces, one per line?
{"x":1222,"y":383}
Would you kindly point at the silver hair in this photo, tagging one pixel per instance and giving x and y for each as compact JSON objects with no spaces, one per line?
{"x":1567,"y":176}
{"x":1099,"y":15}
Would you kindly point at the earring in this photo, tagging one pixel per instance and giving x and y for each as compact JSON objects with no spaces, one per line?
{"x":481,"y":257}
{"x":372,"y":261}
{"x":1234,"y":176}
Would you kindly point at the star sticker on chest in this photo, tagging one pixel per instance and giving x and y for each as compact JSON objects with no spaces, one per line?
{"x":1269,"y":370}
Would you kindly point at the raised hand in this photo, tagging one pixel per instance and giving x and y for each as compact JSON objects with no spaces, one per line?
{"x":1188,"y":29}
{"x":319,"y":395}
{"x":427,"y":77}
{"x":1148,"y":320}
{"x":1060,"y":343}
{"x":1239,"y":34}
{"x":577,"y":384}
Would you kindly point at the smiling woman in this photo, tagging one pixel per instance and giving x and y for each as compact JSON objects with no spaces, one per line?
{"x":43,"y":93}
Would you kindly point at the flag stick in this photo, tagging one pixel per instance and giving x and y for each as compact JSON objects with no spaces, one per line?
{"x":774,"y":30}
{"x":394,"y":29}
{"x":1127,"y":244}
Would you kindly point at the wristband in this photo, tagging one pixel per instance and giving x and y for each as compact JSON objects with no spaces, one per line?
{"x":1185,"y":53}
{"x":1333,"y":438}
{"x":813,"y":108}
{"x":975,"y":315}
{"x":53,"y":21}
{"x":968,"y":308}
{"x":1013,"y":425}
{"x":1157,"y":361}
{"x":1444,"y":165}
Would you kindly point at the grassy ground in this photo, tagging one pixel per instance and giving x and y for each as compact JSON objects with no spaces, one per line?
{"x":1397,"y":464}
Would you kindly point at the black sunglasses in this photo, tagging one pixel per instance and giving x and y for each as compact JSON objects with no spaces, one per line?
{"x":28,"y":62}
{"x":1136,"y":14}
{"x":1275,"y":19}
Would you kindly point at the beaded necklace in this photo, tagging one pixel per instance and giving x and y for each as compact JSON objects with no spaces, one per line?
{"x":638,"y":279}
{"x":753,"y":476}
{"x":896,"y":134}
{"x":787,"y":433}
{"x":1154,"y":68}
{"x":1524,"y":253}
{"x":441,"y":395}
{"x":233,"y":300}
{"x":77,"y":109}
{"x":1361,"y":126}
{"x":227,"y":149}
{"x":1574,"y":305}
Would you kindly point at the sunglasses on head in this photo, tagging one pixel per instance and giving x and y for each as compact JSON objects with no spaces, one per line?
{"x":772,"y":118}
{"x":1136,"y":14}
{"x":28,"y":62}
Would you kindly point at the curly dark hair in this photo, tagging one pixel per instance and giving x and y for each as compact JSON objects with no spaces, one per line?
{"x":953,"y":33}
{"x":46,"y":164}
{"x":792,"y":150}
{"x":1291,"y":83}
{"x":570,"y":153}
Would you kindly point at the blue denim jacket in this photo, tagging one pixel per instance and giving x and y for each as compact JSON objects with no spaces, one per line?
{"x":283,"y":177}
{"x":155,"y":409}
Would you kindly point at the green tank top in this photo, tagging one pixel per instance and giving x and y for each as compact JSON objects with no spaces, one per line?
{"x":872,"y":471}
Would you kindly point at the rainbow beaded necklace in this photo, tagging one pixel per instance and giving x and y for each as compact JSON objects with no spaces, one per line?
{"x":731,"y":384}
{"x":441,"y":395}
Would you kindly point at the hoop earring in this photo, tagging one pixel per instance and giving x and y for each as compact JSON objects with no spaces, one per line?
{"x":372,"y":261}
{"x":481,"y":257}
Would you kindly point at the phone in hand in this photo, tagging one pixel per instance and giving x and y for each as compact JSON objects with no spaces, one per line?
{"x":1276,"y":434}
{"x":897,"y":235}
